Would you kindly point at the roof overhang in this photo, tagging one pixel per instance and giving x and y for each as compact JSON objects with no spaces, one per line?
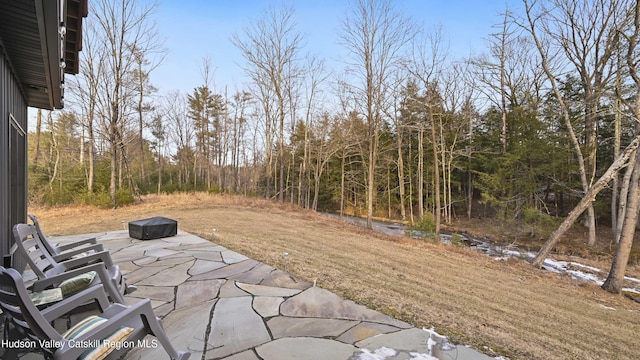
{"x":34,"y":36}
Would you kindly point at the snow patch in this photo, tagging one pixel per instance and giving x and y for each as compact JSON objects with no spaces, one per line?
{"x":419,"y":356}
{"x":379,"y":354}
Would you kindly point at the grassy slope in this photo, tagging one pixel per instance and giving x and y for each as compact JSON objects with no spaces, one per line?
{"x":507,"y":307}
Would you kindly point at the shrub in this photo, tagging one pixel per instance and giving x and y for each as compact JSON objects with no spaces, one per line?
{"x":456,"y":240}
{"x":99,"y":199}
{"x":426,"y":226}
{"x":124,"y":197}
{"x":57,"y":196}
{"x":215,"y":189}
{"x":538,"y":223}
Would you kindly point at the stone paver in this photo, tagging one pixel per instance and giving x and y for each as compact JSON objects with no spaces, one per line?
{"x":143,"y":273}
{"x":317,"y":302}
{"x":283,"y":326}
{"x":195,"y":292}
{"x":173,"y":276}
{"x":305,"y":348}
{"x":203,"y":266}
{"x":263,"y":290}
{"x":365,"y":330}
{"x":232,"y":257}
{"x":245,"y":355}
{"x":267,"y":306}
{"x":219,"y":304}
{"x":280,"y":278}
{"x":228,"y":271}
{"x":235,"y":327}
{"x":255,"y":276}
{"x":229,"y":289}
{"x":407,"y":340}
{"x":163,"y":293}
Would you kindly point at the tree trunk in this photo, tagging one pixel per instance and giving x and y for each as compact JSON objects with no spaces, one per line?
{"x":37,"y":139}
{"x":615,"y":185}
{"x":53,"y":149}
{"x":436,"y":174}
{"x":342,"y":176}
{"x":403,"y":211}
{"x":615,"y":279}
{"x":371,"y":185}
{"x":140,"y":120}
{"x":420,"y":170}
{"x":91,"y":176}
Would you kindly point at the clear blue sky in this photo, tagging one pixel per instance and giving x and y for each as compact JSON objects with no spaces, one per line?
{"x":194,"y":29}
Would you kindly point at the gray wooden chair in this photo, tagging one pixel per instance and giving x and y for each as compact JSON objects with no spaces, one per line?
{"x":69,"y":250}
{"x":48,"y":270}
{"x":94,"y":337}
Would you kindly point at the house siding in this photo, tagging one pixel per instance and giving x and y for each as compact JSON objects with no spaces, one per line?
{"x":13,"y":155}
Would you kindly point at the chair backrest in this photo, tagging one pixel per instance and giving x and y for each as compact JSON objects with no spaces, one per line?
{"x":31,"y":248}
{"x":16,"y":304}
{"x":45,"y":242}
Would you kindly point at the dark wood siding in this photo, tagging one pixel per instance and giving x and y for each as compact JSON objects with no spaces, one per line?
{"x":13,"y":154}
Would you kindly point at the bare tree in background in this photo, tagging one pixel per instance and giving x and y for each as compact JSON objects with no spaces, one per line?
{"x":145,"y":62}
{"x":271,"y":47}
{"x":426,"y":66}
{"x":374,"y":34}
{"x":85,"y":87}
{"x":121,"y":26}
{"x":535,"y":20}
{"x":239,"y":104}
{"x":315,"y":75}
{"x":181,"y":133}
{"x":581,"y":34}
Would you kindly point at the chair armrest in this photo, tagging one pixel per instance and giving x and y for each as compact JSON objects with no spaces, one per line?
{"x":71,"y":245}
{"x":103,"y":256}
{"x":109,"y":286}
{"x":95,"y":293}
{"x":66,"y":255}
{"x":119,"y":316}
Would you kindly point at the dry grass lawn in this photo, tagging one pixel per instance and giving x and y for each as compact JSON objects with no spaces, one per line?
{"x":501,"y":308}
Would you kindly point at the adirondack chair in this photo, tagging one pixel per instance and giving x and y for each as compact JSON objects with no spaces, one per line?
{"x":48,"y":270}
{"x":109,"y":334}
{"x":69,"y":250}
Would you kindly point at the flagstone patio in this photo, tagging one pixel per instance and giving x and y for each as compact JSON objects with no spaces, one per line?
{"x":219,"y":304}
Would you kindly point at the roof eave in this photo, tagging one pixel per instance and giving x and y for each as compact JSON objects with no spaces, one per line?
{"x":48,"y":15}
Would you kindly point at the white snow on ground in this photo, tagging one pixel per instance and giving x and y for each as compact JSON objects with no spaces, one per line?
{"x":607,"y":307}
{"x":419,"y":356}
{"x":591,"y":274}
{"x":379,"y":354}
{"x":384,"y":353}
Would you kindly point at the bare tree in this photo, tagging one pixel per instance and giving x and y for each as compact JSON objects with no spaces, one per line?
{"x":314,"y":77}
{"x":181,"y":132}
{"x":240,"y":102}
{"x":393,"y":112}
{"x":121,"y":26}
{"x":84,"y":88}
{"x":37,"y":138}
{"x":146,"y":60}
{"x":585,"y":33}
{"x":374,"y":35}
{"x":271,"y":47}
{"x":586,"y":54}
{"x":426,"y":66}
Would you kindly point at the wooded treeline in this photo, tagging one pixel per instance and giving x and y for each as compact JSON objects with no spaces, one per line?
{"x":537,"y":126}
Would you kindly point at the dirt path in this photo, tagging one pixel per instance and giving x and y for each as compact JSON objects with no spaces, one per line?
{"x":504,"y":308}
